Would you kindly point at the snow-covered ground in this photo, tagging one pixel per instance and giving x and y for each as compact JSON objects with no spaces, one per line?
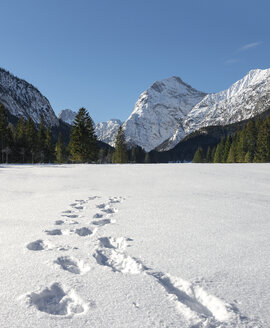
{"x":175,"y":245}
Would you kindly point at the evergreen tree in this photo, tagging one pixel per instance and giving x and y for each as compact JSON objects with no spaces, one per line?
{"x":41,"y":147}
{"x":241,"y":147}
{"x":31,"y":139}
{"x":218,"y":154}
{"x":232,"y":153}
{"x":226,"y":149}
{"x":120,"y":154}
{"x":147,"y":158}
{"x":60,"y":150}
{"x":83,"y":141}
{"x":208,"y":155}
{"x":198,"y":156}
{"x":262,"y":152}
{"x":251,"y":136}
{"x":4,"y":133}
{"x":49,"y":147}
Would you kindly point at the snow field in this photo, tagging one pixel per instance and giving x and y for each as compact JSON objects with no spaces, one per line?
{"x":103,"y":260}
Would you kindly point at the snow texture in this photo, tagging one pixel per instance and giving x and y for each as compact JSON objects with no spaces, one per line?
{"x":21,"y":98}
{"x":187,"y":254}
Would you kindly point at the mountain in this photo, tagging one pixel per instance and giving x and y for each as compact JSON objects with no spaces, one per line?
{"x":21,"y":98}
{"x":106,"y":131}
{"x":67,"y":116}
{"x":158,"y":111}
{"x":245,"y":99}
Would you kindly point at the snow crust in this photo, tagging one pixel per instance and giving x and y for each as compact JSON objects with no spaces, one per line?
{"x":179,"y":245}
{"x":22,"y":99}
{"x":67,"y":115}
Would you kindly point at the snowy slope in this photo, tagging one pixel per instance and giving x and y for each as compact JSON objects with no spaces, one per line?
{"x":81,"y":248}
{"x":158,"y":111}
{"x":246,"y":98}
{"x":22,"y":99}
{"x":67,"y":116}
{"x":107,"y":131}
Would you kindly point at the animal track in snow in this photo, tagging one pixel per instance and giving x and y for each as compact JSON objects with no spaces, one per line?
{"x":72,"y":265}
{"x":40,"y":245}
{"x":103,"y":205}
{"x":53,"y":232}
{"x":55,"y":300}
{"x":114,"y":200}
{"x":67,"y":212}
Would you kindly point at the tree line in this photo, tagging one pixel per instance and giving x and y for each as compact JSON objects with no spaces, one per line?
{"x":251,"y":144}
{"x":27,"y":142}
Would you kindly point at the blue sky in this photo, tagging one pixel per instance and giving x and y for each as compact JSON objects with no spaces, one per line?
{"x":103,"y":54}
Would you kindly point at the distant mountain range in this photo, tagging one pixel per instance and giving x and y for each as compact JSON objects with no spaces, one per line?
{"x":164,"y":115}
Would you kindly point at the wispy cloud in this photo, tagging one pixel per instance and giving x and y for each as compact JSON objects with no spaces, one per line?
{"x":249,"y":46}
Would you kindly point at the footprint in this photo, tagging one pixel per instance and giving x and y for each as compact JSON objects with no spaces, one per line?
{"x":83,"y":232}
{"x":55,"y":300}
{"x":59,"y":222}
{"x":101,"y":222}
{"x":93,"y":197}
{"x":118,"y":261}
{"x":72,"y":265}
{"x":71,"y":216}
{"x":79,"y":207}
{"x":53,"y":232}
{"x":109,"y":210}
{"x":103,"y":205}
{"x":120,"y":243}
{"x":98,"y":216}
{"x":66,"y":212}
{"x":40,"y":245}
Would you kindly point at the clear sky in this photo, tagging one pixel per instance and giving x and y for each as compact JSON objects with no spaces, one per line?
{"x":101,"y":54}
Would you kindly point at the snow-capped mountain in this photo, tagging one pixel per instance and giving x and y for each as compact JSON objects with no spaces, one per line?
{"x":158,"y":111}
{"x":21,"y":98}
{"x":67,"y":116}
{"x":245,"y":99}
{"x":107,"y":131}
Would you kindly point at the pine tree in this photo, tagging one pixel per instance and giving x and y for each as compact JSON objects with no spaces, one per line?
{"x":198,"y":156}
{"x":147,"y":158}
{"x":49,"y":147}
{"x":241,"y":147}
{"x":31,"y":139}
{"x":20,"y":139}
{"x":226,"y":149}
{"x":60,"y":150}
{"x":120,"y":154}
{"x":218,"y":154}
{"x":41,"y":147}
{"x":232,"y":153}
{"x":4,"y":133}
{"x":83,"y":141}
{"x":208,"y":155}
{"x":251,"y":136}
{"x":262,"y":152}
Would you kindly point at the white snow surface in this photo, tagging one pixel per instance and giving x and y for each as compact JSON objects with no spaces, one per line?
{"x":107,"y":131}
{"x":175,"y":245}
{"x":21,"y":98}
{"x":67,"y":116}
{"x":245,"y":99}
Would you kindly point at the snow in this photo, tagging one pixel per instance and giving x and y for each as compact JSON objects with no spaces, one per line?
{"x":107,"y":131}
{"x":21,"y":98}
{"x":67,"y":115}
{"x":245,"y":99}
{"x":178,"y":245}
